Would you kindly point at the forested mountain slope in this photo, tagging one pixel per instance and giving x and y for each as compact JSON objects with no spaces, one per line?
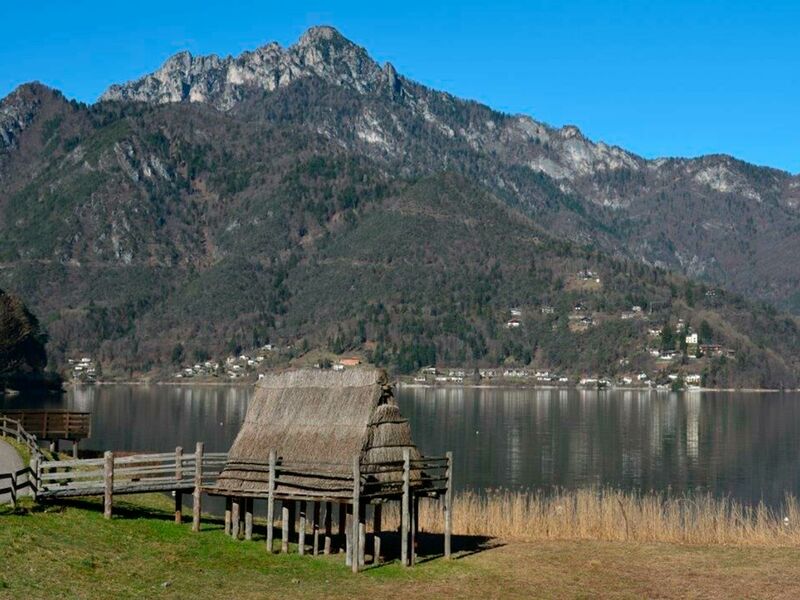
{"x":312,"y":197}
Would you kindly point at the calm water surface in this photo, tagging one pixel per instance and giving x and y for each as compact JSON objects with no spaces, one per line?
{"x":743,"y":445}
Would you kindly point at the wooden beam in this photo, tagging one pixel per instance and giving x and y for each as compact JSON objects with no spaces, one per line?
{"x":404,"y":516}
{"x":198,"y":486}
{"x":271,"y":501}
{"x":448,"y":507}
{"x":108,"y":483}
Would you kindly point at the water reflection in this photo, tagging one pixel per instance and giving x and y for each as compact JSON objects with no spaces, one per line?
{"x":742,"y":445}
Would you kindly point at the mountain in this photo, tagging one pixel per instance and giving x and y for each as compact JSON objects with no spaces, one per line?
{"x":713,"y":218}
{"x":310,"y":196}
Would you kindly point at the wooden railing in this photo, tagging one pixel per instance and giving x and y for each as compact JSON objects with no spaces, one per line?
{"x":133,"y":474}
{"x":53,"y":424}
{"x":10,"y":427}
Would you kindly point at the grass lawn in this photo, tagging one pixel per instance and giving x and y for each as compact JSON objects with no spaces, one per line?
{"x":72,"y":552}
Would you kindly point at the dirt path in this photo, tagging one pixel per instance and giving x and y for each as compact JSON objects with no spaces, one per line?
{"x":10,"y":461}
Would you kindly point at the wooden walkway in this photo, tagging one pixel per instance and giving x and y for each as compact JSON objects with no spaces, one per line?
{"x":53,"y":425}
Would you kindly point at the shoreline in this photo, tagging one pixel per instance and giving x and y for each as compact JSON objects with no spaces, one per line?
{"x":414,"y":385}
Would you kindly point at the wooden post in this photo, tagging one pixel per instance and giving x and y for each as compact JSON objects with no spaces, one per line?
{"x":75,"y":449}
{"x":348,"y":536}
{"x":34,"y":476}
{"x":271,"y":501}
{"x":292,"y":520}
{"x":414,"y":528}
{"x":53,"y":446}
{"x":404,"y":516}
{"x":315,"y":528}
{"x":198,"y":485}
{"x":376,"y":533}
{"x":362,"y":534}
{"x":227,"y":515}
{"x":236,"y":517}
{"x":178,"y":477}
{"x":301,"y":538}
{"x":342,"y":523}
{"x":328,"y":524}
{"x":356,"y":535}
{"x":108,"y":483}
{"x":448,"y":506}
{"x":248,"y":519}
{"x":285,"y":527}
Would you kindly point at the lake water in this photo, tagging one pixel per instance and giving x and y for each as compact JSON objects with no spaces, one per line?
{"x":743,"y":445}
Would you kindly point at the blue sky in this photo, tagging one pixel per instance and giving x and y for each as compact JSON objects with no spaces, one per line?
{"x":658,"y":78}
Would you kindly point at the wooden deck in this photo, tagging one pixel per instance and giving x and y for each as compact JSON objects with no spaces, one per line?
{"x":53,"y":424}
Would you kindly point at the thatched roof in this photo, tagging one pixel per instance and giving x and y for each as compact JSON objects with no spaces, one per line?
{"x":318,"y":420}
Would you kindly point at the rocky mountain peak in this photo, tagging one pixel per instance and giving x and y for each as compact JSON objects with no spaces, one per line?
{"x":321,"y":52}
{"x":19,"y":108}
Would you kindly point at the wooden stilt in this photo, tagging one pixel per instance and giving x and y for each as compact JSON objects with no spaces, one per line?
{"x":271,"y":501}
{"x":227,"y":515}
{"x":376,"y":533}
{"x":362,"y":534}
{"x":292,"y":520}
{"x":284,"y":527}
{"x":348,"y":535}
{"x":75,"y":449}
{"x":356,"y":535}
{"x":342,"y":524}
{"x":248,"y":519}
{"x":315,"y":528}
{"x":301,"y":532}
{"x":236,"y":511}
{"x":414,"y":528}
{"x":448,"y":507}
{"x":328,"y":523}
{"x":405,"y":507}
{"x":108,"y":483}
{"x":53,"y":446}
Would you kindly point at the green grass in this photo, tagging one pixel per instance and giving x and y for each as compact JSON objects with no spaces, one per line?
{"x":72,"y":552}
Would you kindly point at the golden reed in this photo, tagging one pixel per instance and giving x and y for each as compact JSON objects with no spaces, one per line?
{"x":612,"y":515}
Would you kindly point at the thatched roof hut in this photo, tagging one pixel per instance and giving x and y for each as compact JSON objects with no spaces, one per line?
{"x":317,"y":421}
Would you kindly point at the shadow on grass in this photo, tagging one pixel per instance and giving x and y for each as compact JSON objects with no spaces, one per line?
{"x":430,"y":546}
{"x":129,"y":510}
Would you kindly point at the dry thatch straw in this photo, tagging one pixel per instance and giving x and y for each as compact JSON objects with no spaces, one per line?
{"x":317,"y":421}
{"x":612,"y":515}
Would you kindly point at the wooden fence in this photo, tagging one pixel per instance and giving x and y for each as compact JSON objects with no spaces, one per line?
{"x":10,"y":427}
{"x":16,"y":482}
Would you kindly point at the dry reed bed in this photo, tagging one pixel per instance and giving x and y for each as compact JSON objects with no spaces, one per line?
{"x":612,"y":515}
